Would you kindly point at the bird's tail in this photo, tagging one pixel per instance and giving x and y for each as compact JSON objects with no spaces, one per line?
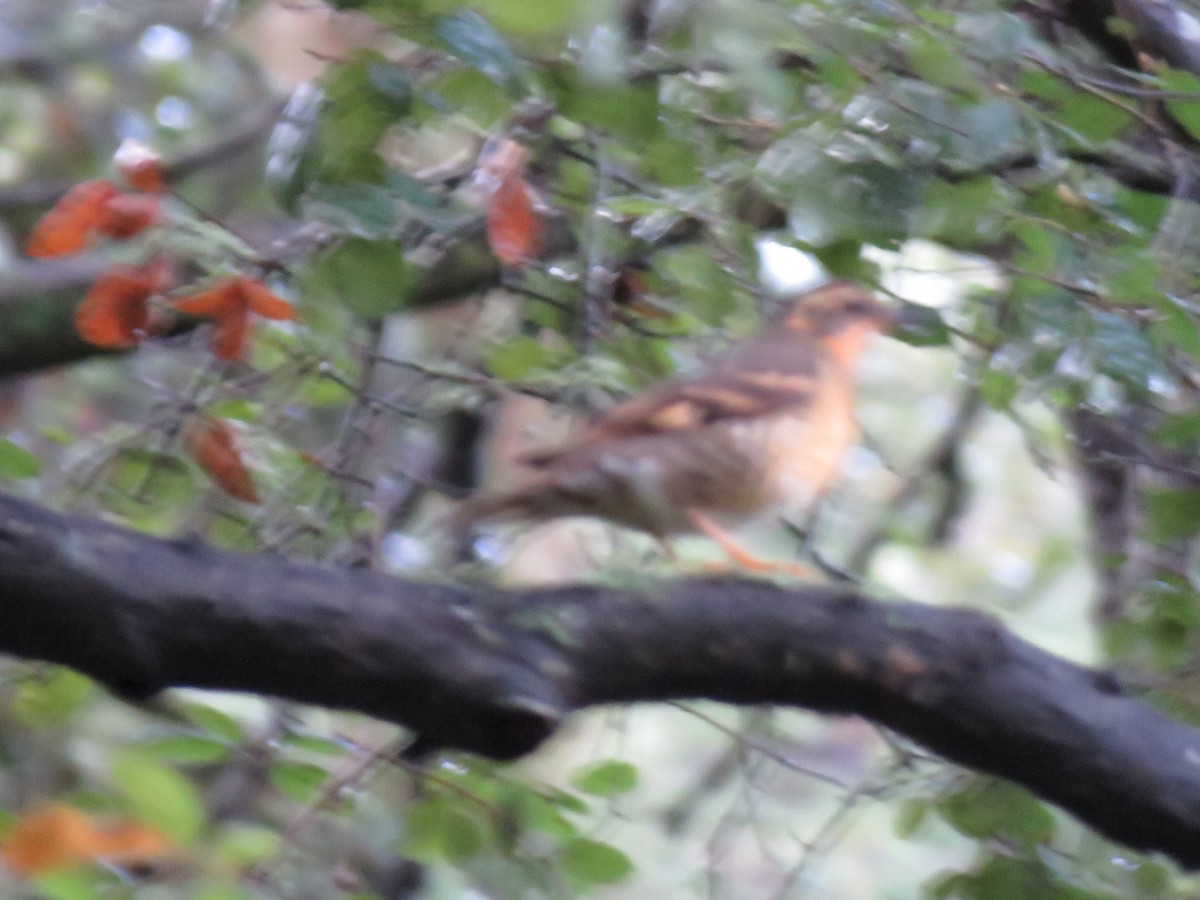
{"x":494,"y":507}
{"x":459,"y":527}
{"x":547,"y":496}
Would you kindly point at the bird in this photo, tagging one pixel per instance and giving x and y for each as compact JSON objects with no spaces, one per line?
{"x":761,"y":431}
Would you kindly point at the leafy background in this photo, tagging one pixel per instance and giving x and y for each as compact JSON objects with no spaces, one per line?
{"x":1030,"y":196}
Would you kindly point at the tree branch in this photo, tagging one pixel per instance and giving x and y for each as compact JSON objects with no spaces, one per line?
{"x":496,"y":672}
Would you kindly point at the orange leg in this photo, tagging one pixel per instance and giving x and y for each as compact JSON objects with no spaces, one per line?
{"x":740,"y":554}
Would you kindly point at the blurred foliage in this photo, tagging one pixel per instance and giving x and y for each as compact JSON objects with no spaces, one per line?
{"x":658,"y":144}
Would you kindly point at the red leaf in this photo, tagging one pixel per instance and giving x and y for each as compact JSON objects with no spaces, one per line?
{"x":514,"y":228}
{"x":69,"y":225}
{"x":264,"y":302}
{"x":141,"y":166}
{"x":114,"y":312}
{"x":127,"y":214}
{"x":214,"y":446}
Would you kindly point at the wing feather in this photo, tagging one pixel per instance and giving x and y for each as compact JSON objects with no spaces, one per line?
{"x":743,"y":388}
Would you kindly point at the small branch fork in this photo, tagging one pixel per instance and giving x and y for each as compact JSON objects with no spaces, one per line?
{"x":496,"y":672}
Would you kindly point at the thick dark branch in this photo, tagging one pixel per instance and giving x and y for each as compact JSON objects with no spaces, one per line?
{"x":496,"y":672}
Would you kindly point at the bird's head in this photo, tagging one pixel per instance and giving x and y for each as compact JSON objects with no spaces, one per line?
{"x":834,"y":307}
{"x":840,"y":314}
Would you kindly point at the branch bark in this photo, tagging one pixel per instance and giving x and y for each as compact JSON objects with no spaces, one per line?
{"x":495,"y":672}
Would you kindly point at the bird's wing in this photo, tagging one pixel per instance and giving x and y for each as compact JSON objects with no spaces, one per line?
{"x":757,"y":381}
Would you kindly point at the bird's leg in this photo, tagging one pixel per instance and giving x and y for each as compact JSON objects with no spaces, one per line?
{"x":740,"y":554}
{"x":668,"y":548}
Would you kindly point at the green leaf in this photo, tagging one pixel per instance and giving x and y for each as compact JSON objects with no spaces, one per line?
{"x":52,"y":697}
{"x":530,"y":17}
{"x":390,"y":86}
{"x":461,"y":837}
{"x":214,"y":722}
{"x":998,"y":388}
{"x":472,"y":38}
{"x":622,"y":110}
{"x":606,"y":778}
{"x":1171,"y":619}
{"x":1092,"y":118}
{"x":380,"y":211}
{"x":568,"y":801}
{"x":222,"y":892}
{"x":75,"y":884}
{"x":298,"y":781}
{"x":867,"y":202}
{"x":672,"y":163}
{"x":371,"y":79}
{"x":1180,"y":431}
{"x":236,"y":408}
{"x":1040,"y":253}
{"x":592,"y":862}
{"x":1185,"y":112}
{"x":240,"y":845}
{"x":16,"y":461}
{"x":185,"y":749}
{"x":352,"y":207}
{"x":528,"y":810}
{"x":468,"y":92}
{"x":1176,"y":327}
{"x":159,"y":796}
{"x":934,"y":61}
{"x":1172,"y":514}
{"x":141,"y":478}
{"x":518,"y":357}
{"x":371,"y":278}
{"x":312,"y":743}
{"x":693,"y":273}
{"x":987,"y":133}
{"x":1122,"y":350}
{"x":422,"y":830}
{"x":993,"y":35}
{"x":965,"y":215}
{"x":362,"y":99}
{"x":1145,"y":210}
{"x":921,"y":326}
{"x":1004,"y":878}
{"x":437,"y":828}
{"x":909,"y":817}
{"x":1135,"y":278}
{"x":990,"y":807}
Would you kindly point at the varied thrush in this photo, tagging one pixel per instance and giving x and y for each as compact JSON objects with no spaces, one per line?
{"x":761,"y":432}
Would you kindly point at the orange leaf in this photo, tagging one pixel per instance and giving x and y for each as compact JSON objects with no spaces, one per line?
{"x":230,"y":302}
{"x":56,"y":836}
{"x":264,"y":302}
{"x":141,"y":166}
{"x":514,"y":228}
{"x":48,"y":838}
{"x":214,"y":446}
{"x":68,"y":226}
{"x":128,"y":843}
{"x":114,"y":311}
{"x":128,"y":214}
{"x":231,"y":334}
{"x":161,"y":274}
{"x":501,"y":158}
{"x":219,"y":300}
